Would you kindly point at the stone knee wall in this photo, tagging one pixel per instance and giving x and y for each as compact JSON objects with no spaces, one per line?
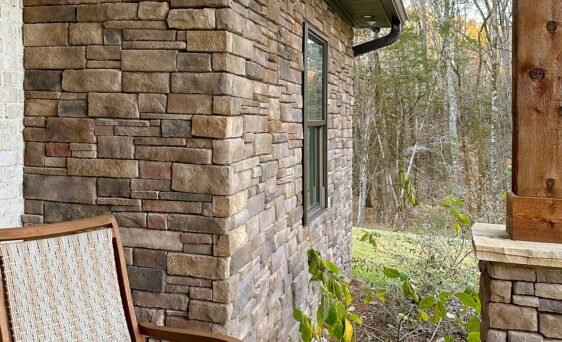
{"x":11,"y":113}
{"x":521,"y":303}
{"x":183,"y":118}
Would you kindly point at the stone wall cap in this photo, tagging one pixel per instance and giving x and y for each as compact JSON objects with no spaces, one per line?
{"x":492,"y":243}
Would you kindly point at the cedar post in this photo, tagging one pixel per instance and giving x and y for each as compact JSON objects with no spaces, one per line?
{"x":534,"y":208}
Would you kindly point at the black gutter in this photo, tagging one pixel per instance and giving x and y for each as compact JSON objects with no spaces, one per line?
{"x":379,"y":43}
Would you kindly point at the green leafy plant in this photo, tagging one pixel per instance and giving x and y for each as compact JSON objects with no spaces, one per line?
{"x":334,"y":315}
{"x":455,"y":206}
{"x":409,"y":191}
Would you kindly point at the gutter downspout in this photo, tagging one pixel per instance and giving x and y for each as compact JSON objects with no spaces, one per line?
{"x":379,"y":43}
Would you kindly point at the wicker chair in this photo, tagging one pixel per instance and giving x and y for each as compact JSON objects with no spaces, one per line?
{"x":68,"y":282}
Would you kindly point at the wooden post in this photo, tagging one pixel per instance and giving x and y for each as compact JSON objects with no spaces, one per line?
{"x":534,"y":208}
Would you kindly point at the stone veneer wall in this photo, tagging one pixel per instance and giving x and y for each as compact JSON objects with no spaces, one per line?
{"x":521,"y":303}
{"x":11,"y":113}
{"x":183,"y":118}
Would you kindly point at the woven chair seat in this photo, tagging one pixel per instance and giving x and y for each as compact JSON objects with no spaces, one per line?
{"x":63,"y":289}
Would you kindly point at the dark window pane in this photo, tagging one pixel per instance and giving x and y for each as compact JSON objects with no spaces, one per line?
{"x":313,"y":153}
{"x":314,"y":79}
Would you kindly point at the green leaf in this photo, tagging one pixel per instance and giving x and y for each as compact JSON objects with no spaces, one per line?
{"x":365,"y":237}
{"x":468,"y":300}
{"x":422,"y":315}
{"x":332,"y":267}
{"x":473,"y":337}
{"x":298,"y":315}
{"x":347,"y":294}
{"x":391,"y":273}
{"x":448,"y":338}
{"x":355,"y":318}
{"x":473,"y":324}
{"x":427,"y":302}
{"x":332,"y":315}
{"x":336,"y":330}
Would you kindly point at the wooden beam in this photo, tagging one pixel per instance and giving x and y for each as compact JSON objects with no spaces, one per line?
{"x":537,"y":121}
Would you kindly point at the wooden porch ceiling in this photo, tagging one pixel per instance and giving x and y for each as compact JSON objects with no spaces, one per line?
{"x":371,"y":13}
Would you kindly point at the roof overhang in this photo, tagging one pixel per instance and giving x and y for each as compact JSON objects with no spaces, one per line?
{"x":370,"y":13}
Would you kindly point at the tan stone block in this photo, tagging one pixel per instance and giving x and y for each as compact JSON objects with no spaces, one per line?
{"x":551,"y":325}
{"x":190,"y":104}
{"x":86,"y":34}
{"x":149,"y":35}
{"x":192,"y":19}
{"x":209,"y":311}
{"x":228,"y":244}
{"x":60,"y":188}
{"x":152,"y":103}
{"x":231,"y":205}
{"x":39,"y":107}
{"x":500,"y":291}
{"x":176,"y":128}
{"x":107,"y":11}
{"x":194,"y":62}
{"x":91,"y":80}
{"x":227,"y":105}
{"x":152,"y":45}
{"x":45,"y":34}
{"x":197,"y":266}
{"x":209,"y":41}
{"x":228,"y":151}
{"x":496,"y":336}
{"x":152,"y":239}
{"x":113,"y":105}
{"x":201,"y":3}
{"x":512,"y":317}
{"x":104,"y":53}
{"x":224,"y":291}
{"x":49,"y":14}
{"x":70,"y":130}
{"x":102,"y":168}
{"x":153,"y":10}
{"x":202,"y":179}
{"x":59,"y":57}
{"x":551,"y":291}
{"x":263,"y":145}
{"x":115,"y":147}
{"x":173,"y":154}
{"x":230,"y":63}
{"x":519,"y":336}
{"x":149,"y":60}
{"x":228,"y":19}
{"x":139,"y":82}
{"x":155,"y":170}
{"x":508,"y":272}
{"x":172,"y":207}
{"x":212,"y":83}
{"x":34,"y":154}
{"x":217,"y":126}
{"x":526,"y":301}
{"x":161,"y":300}
{"x":201,"y":293}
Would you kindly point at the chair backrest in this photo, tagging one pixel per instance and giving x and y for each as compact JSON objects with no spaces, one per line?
{"x":65,"y":282}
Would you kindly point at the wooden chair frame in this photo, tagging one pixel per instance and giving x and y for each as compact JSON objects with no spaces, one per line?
{"x":138,"y":330}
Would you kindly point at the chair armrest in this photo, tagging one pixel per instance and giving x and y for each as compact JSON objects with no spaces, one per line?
{"x":181,"y":335}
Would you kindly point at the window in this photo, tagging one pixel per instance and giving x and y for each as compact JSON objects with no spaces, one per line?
{"x":315,"y":105}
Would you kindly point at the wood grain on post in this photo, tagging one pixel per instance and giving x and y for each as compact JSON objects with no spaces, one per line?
{"x":534,"y":208}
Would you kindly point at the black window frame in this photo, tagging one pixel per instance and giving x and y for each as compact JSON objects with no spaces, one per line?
{"x":312,"y":212}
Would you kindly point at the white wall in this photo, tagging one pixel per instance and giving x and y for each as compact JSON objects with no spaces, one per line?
{"x":11,"y":112}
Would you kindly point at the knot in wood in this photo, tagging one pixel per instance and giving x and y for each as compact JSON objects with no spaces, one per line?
{"x":537,"y":74}
{"x":560,"y":112}
{"x":550,"y":184}
{"x":552,"y":26}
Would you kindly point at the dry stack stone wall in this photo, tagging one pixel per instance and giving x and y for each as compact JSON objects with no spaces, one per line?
{"x":521,"y":303}
{"x":11,"y":113}
{"x":183,"y":118}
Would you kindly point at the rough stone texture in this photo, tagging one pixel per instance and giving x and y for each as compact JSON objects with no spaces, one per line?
{"x":11,"y":114}
{"x":184,"y":118}
{"x":551,"y":325}
{"x":515,"y":336}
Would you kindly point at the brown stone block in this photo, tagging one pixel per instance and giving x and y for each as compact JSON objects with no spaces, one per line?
{"x":112,"y":37}
{"x":138,"y":82}
{"x":70,"y":130}
{"x":147,"y":279}
{"x":153,"y":10}
{"x":512,"y":317}
{"x":194,"y":62}
{"x":45,"y":34}
{"x":113,"y":105}
{"x":104,"y":53}
{"x":173,"y":154}
{"x":86,"y":34}
{"x":149,"y":35}
{"x":209,"y":311}
{"x":152,"y":239}
{"x":161,"y":300}
{"x":551,"y":325}
{"x":176,"y":128}
{"x":59,"y":212}
{"x":197,"y":224}
{"x":91,"y":80}
{"x":190,"y":104}
{"x":76,"y":108}
{"x":39,"y":107}
{"x":55,"y":57}
{"x":115,"y":147}
{"x":149,"y":258}
{"x":209,"y":41}
{"x":197,"y":266}
{"x":227,"y":105}
{"x":34,"y":134}
{"x":152,"y":103}
{"x":149,"y":60}
{"x":60,"y":188}
{"x":172,"y":207}
{"x":182,"y":323}
{"x":200,"y":3}
{"x":192,"y":19}
{"x":57,"y":150}
{"x":229,"y":63}
{"x":206,"y":179}
{"x":107,"y":11}
{"x":138,"y":131}
{"x":155,"y":170}
{"x":43,"y":80}
{"x":228,"y":151}
{"x":34,"y":154}
{"x":111,"y":187}
{"x":217,"y":126}
{"x":135,"y":25}
{"x":49,"y":14}
{"x":103,"y":168}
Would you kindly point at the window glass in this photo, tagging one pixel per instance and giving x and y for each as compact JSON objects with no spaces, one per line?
{"x":315,"y":77}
